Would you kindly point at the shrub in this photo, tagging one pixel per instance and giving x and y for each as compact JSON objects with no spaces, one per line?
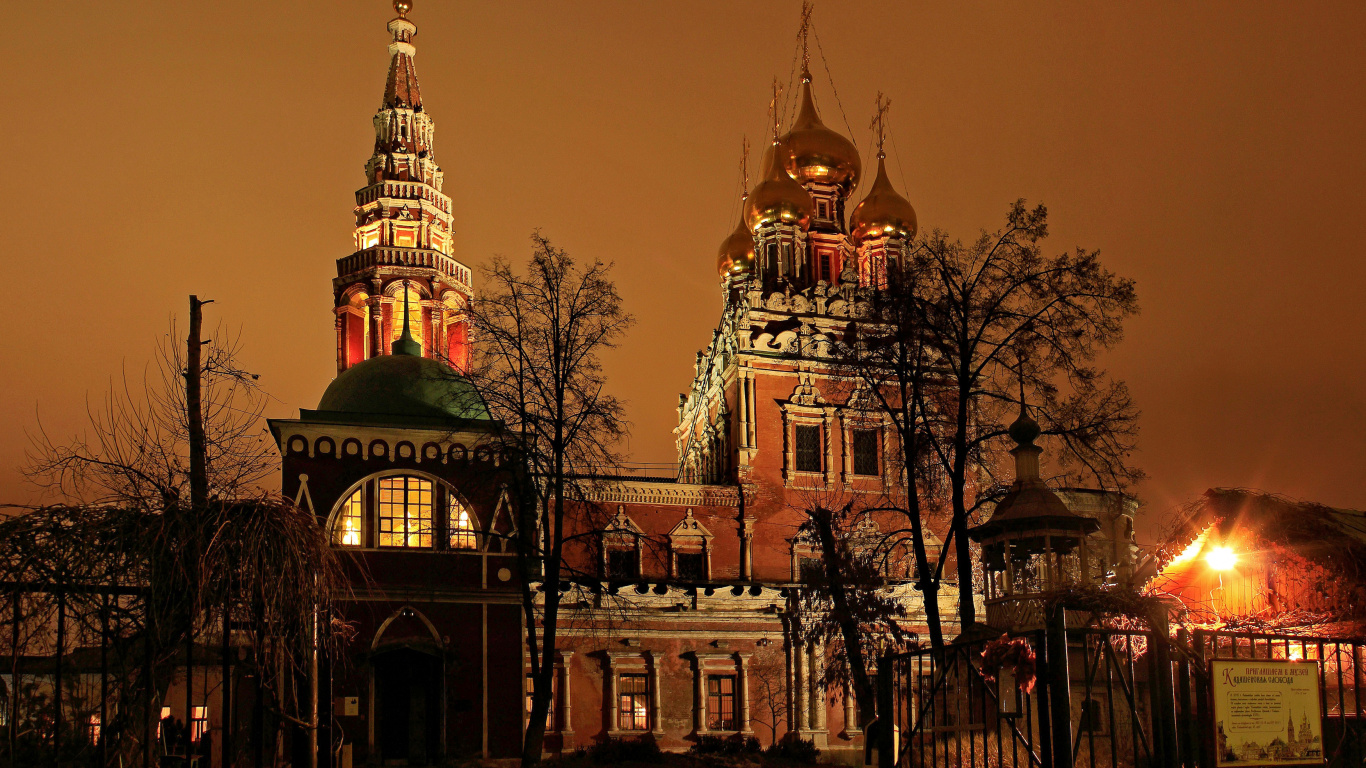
{"x":734,"y":744}
{"x":639,"y":750}
{"x":795,"y":749}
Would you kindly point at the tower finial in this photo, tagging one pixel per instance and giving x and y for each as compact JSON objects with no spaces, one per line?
{"x":880,"y":122}
{"x":403,"y":6}
{"x":405,"y":344}
{"x":804,"y":33}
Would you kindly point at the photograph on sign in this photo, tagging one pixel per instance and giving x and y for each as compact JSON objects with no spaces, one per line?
{"x":1267,"y":712}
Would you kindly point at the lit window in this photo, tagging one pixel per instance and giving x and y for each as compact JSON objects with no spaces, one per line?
{"x":161,"y":721}
{"x":199,"y":724}
{"x":95,"y":729}
{"x":550,"y":721}
{"x":634,"y":703}
{"x":347,"y":532}
{"x":721,"y":703}
{"x":462,"y":527}
{"x":865,"y":452}
{"x":808,"y":440}
{"x":405,"y":512}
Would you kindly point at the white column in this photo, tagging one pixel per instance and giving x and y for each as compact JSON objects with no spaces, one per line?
{"x":851,"y":725}
{"x":742,"y":666}
{"x":566,"y":710}
{"x":613,"y":700}
{"x":800,"y":664}
{"x":699,"y":707}
{"x":656,"y":711}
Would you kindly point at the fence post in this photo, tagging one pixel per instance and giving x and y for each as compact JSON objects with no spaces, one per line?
{"x":1203,"y":720}
{"x":1163,"y":698}
{"x":1059,"y":688}
{"x":886,"y":720}
{"x":1186,"y":724}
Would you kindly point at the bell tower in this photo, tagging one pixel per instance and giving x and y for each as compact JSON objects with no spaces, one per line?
{"x":403,"y":232}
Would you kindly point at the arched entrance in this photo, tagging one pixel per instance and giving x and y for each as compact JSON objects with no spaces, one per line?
{"x":408,"y":706}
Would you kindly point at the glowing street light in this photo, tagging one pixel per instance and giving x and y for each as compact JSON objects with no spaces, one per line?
{"x":1221,"y":558}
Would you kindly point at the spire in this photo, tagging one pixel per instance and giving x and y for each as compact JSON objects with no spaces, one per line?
{"x":400,"y":90}
{"x":406,"y":344}
{"x":804,"y":32}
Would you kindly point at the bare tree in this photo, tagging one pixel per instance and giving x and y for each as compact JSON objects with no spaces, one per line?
{"x":537,"y":366}
{"x":846,"y":605}
{"x":767,"y":672}
{"x":1005,"y":319}
{"x":164,"y":506}
{"x":955,"y":341}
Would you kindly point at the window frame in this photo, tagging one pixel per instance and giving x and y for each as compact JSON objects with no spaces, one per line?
{"x":854,"y":454}
{"x":444,"y":499}
{"x":717,"y":699}
{"x":818,"y":452}
{"x":639,"y":699}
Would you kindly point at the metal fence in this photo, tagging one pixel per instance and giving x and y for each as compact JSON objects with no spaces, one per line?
{"x":1103,"y":698}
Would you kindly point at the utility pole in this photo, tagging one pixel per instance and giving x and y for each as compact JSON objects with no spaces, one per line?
{"x":194,"y":373}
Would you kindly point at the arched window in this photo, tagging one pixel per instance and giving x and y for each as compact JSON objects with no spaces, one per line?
{"x":405,"y":511}
{"x":408,"y":511}
{"x":348,"y":531}
{"x":461,"y":525}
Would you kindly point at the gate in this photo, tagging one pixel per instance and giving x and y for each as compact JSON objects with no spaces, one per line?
{"x":1103,"y":698}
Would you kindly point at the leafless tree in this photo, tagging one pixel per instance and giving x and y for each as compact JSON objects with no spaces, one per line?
{"x":541,"y":331}
{"x":846,"y":606}
{"x":164,"y":503}
{"x":959,"y":338}
{"x":767,"y":672}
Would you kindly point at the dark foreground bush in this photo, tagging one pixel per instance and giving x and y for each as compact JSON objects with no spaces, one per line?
{"x":641,"y":750}
{"x":734,"y":744}
{"x":794,"y":749}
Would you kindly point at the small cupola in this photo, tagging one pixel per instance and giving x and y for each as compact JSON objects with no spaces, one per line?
{"x":1033,"y":544}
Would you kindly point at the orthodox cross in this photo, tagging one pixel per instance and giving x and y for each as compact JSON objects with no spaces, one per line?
{"x":880,"y":121}
{"x":744,"y":167}
{"x":803,"y":31}
{"x":773,"y":108}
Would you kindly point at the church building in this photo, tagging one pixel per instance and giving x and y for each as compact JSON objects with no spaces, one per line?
{"x":703,"y":566}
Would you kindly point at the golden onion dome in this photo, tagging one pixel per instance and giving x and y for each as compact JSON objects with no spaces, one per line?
{"x":778,"y":198}
{"x":736,"y":256}
{"x":883,"y":213}
{"x":816,"y":154}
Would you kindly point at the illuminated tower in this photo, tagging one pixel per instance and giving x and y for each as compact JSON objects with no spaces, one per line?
{"x":403,"y":232}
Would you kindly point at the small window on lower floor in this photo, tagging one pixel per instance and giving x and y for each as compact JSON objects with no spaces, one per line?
{"x":623,"y":564}
{"x":551,"y":714}
{"x":809,"y":570}
{"x":721,"y":703}
{"x":199,"y":723}
{"x":692,"y":566}
{"x":633,"y":694}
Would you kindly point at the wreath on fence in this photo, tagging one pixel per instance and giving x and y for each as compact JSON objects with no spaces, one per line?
{"x":1015,"y":653}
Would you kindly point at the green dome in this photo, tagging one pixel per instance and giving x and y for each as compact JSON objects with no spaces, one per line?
{"x":404,"y":385}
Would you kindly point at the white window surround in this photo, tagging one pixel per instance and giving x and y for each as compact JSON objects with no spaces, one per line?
{"x":632,"y":663}
{"x":720,"y":663}
{"x":689,"y":535}
{"x":622,"y":533}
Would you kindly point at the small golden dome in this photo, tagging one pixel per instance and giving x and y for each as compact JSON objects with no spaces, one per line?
{"x":778,"y":198}
{"x":736,"y":256}
{"x":883,"y":213}
{"x":816,"y":153}
{"x":403,"y":6}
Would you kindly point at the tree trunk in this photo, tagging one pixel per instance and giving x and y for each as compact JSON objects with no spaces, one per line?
{"x":850,"y":631}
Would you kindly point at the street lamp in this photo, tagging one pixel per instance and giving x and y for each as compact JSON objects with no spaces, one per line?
{"x":1221,"y":558}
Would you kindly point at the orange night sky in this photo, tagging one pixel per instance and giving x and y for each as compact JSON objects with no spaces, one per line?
{"x":1213,"y":152}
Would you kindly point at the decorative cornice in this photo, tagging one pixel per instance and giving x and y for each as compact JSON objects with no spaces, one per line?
{"x":668,"y":494}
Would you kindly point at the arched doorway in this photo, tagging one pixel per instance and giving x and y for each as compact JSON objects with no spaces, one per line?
{"x":408,"y":705}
